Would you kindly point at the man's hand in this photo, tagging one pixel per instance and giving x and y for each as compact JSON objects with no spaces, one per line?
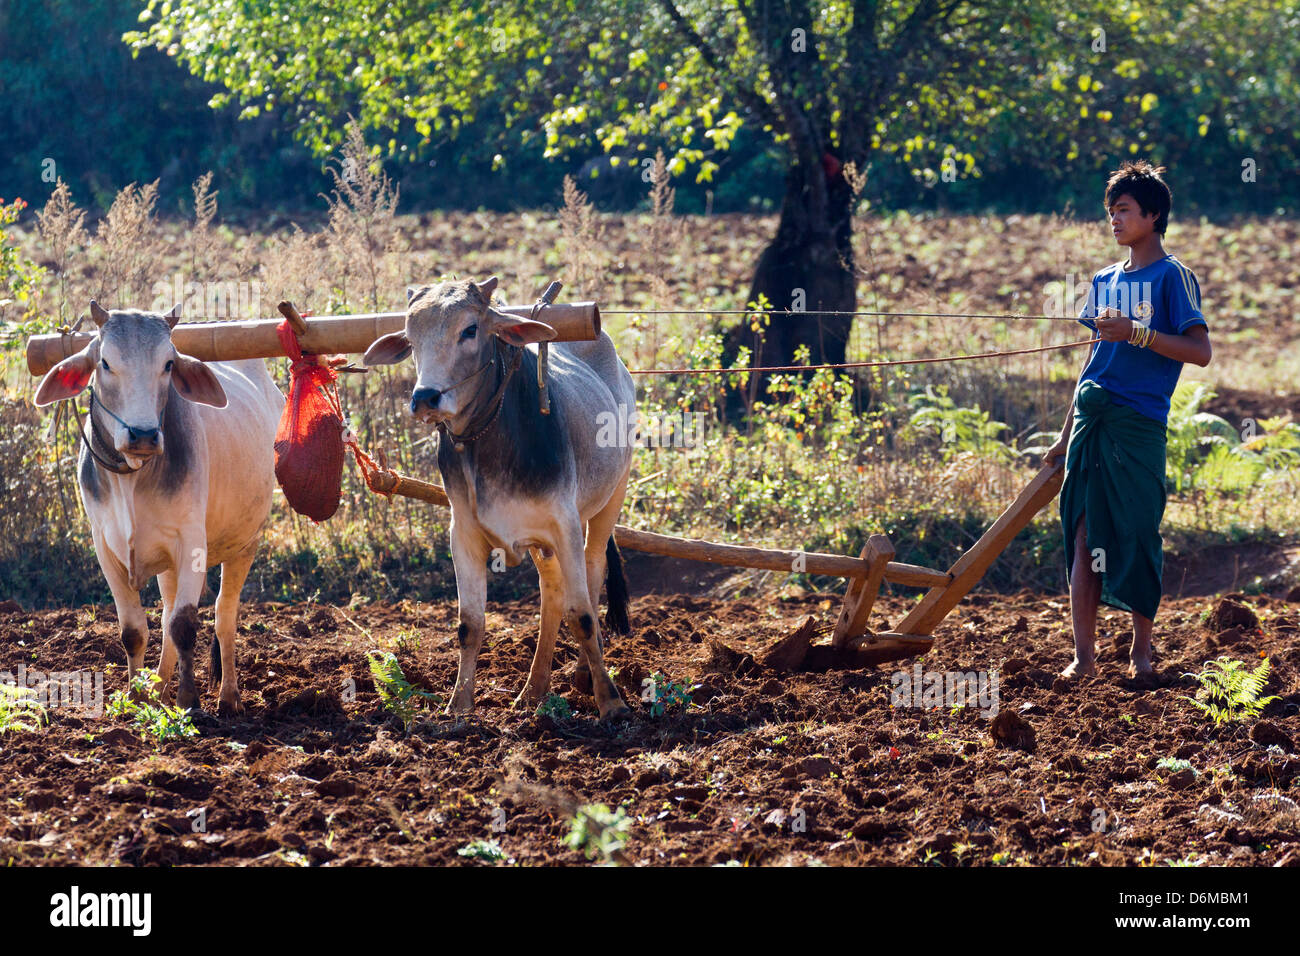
{"x":1113,"y":326}
{"x":1058,"y":450}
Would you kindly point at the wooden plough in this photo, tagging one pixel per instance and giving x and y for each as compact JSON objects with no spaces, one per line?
{"x":852,"y":642}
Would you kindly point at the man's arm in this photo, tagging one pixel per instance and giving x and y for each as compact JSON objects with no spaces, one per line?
{"x":1193,"y":346}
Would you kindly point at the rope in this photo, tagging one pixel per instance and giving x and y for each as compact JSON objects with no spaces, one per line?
{"x":810,"y":368}
{"x":813,"y":312}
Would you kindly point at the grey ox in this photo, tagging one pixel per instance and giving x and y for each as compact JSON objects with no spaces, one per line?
{"x":176,"y":474}
{"x":520,"y":480}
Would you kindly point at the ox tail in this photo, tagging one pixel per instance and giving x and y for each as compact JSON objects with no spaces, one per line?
{"x":616,"y":618}
{"x":214,"y":662}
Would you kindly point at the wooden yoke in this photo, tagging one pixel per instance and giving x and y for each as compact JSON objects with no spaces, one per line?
{"x":913,"y":635}
{"x":862,"y":591}
{"x":970,"y":567}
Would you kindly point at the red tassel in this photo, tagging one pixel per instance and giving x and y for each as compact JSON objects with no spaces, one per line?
{"x":309,"y":441}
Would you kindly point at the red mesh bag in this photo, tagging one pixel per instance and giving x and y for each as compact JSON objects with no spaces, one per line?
{"x":309,"y":441}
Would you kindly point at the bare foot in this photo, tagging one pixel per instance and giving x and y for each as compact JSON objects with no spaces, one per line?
{"x":1077,"y":669}
{"x":1141,"y":670}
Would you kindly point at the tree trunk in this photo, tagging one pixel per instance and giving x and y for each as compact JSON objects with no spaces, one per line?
{"x":808,"y":268}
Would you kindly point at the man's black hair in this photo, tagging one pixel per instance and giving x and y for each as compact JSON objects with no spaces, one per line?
{"x":1141,"y":180}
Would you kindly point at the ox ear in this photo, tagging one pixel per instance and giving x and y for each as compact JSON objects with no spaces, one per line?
{"x":486,"y":288}
{"x":517,"y":331}
{"x":197,"y":382}
{"x":69,"y":377}
{"x":412,"y":291}
{"x":388,"y":349}
{"x":173,"y":316}
{"x":97,"y":314}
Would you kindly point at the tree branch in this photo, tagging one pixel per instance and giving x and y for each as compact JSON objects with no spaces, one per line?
{"x":750,"y":98}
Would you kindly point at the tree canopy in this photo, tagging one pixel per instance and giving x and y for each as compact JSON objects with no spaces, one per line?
{"x":920,"y":80}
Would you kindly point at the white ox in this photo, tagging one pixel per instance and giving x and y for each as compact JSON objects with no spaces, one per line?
{"x":176,"y":474}
{"x":519,"y":480}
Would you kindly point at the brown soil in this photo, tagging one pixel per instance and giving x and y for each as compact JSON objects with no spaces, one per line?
{"x":766,"y":768}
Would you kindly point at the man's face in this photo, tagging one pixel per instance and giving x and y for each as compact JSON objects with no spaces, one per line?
{"x":1128,"y":223}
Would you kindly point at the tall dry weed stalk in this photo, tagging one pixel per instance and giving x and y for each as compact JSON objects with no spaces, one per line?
{"x":363,"y":238}
{"x":130,"y":245}
{"x":292,"y":268}
{"x":665,"y":232}
{"x":62,"y":227}
{"x":583,"y":233}
{"x":201,"y":237}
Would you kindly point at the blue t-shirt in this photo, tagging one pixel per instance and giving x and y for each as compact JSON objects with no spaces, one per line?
{"x":1164,"y":296}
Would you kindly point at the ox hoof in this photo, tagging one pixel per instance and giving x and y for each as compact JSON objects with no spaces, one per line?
{"x":230,"y":707}
{"x":616,"y":711}
{"x":528,"y":700}
{"x":459,"y":709}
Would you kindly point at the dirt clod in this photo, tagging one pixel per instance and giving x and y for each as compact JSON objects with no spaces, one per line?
{"x":1268,"y":734}
{"x":1010,"y":730}
{"x":1232,"y":612}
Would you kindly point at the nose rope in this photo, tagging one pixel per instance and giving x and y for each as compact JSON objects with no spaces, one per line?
{"x":497,"y":400}
{"x":111,"y":415}
{"x":471,"y":375}
{"x":117,"y":463}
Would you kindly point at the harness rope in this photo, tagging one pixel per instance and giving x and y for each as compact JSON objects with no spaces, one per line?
{"x":117,"y":463}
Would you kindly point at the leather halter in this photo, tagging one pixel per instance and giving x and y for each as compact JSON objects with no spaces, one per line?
{"x":474,"y":433}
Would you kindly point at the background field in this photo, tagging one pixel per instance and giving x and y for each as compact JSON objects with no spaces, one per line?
{"x":829,"y":464}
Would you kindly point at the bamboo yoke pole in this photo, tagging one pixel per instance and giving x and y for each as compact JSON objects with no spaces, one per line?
{"x":321,"y":335}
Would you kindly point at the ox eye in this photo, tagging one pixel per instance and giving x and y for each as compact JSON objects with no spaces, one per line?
{"x":104,"y":362}
{"x":470,"y":332}
{"x":168,"y":366}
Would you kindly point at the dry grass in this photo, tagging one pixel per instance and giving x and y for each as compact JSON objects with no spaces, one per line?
{"x":582,"y":232}
{"x":364,"y":242}
{"x":62,"y":228}
{"x":201,"y":238}
{"x":128,"y":237}
{"x":634,"y":264}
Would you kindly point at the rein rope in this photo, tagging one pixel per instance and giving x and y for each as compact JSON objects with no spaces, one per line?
{"x":116,"y":463}
{"x":498,"y":399}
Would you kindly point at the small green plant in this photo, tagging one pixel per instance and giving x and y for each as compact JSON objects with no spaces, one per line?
{"x":555,"y":706}
{"x":1174,"y":765}
{"x":488,"y":851}
{"x":958,"y":429}
{"x":600,"y":832}
{"x":664,"y":695}
{"x":408,"y":640}
{"x":140,"y":703}
{"x":1230,"y":692}
{"x":19,"y":709}
{"x":398,"y":695}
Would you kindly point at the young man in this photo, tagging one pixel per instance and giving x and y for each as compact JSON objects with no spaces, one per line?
{"x":1147,"y":312}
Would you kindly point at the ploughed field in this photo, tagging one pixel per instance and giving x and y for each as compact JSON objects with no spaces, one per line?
{"x":765,"y":767}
